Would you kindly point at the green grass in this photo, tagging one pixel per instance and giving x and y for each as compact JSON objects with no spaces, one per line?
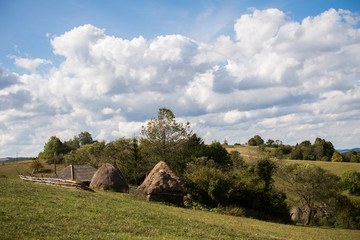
{"x":335,"y":167}
{"x":251,"y":154}
{"x":34,"y":211}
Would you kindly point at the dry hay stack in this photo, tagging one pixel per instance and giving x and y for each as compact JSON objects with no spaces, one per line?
{"x":109,"y":177}
{"x":163,"y":185}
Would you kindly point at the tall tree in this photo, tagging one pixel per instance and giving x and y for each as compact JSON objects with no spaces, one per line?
{"x":53,"y":147}
{"x":308,"y":185}
{"x":165,"y":139}
{"x":85,"y":138}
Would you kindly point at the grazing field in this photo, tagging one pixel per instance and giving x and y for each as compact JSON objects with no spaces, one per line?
{"x":33,"y":211}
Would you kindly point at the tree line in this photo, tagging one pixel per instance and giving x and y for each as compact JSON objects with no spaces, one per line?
{"x":320,"y":150}
{"x":215,"y":178}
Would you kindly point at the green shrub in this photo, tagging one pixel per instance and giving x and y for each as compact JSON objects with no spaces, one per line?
{"x":350,"y":180}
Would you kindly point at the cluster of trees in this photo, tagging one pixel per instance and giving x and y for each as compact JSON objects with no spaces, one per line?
{"x":320,"y":150}
{"x":55,"y":147}
{"x":213,"y":176}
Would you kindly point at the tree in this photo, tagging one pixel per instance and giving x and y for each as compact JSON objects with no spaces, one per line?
{"x":336,"y":157}
{"x":259,"y":140}
{"x":270,"y":142}
{"x":308,"y":185}
{"x":350,"y":180}
{"x":53,"y":147}
{"x":85,"y":138}
{"x":252,"y":142}
{"x":218,"y":154}
{"x":165,"y":139}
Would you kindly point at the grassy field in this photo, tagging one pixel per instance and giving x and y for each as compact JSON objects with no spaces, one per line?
{"x":34,"y":211}
{"x":251,"y":154}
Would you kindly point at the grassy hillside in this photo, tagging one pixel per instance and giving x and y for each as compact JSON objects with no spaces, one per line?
{"x":33,"y":211}
{"x":250,"y":154}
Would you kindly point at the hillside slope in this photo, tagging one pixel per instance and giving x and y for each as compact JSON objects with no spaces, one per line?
{"x":33,"y":211}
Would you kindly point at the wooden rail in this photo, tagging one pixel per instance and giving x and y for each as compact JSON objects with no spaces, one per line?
{"x":57,"y":182}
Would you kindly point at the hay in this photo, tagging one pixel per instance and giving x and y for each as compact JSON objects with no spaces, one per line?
{"x":109,"y":177}
{"x":162,"y":184}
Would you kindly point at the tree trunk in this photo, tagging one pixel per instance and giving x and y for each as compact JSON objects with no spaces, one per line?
{"x":309,"y":215}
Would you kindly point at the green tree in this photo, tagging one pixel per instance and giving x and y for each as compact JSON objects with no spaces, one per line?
{"x":218,"y":154}
{"x":308,"y":186}
{"x":252,"y":142}
{"x":85,"y":138}
{"x":350,"y":180}
{"x":355,"y":158}
{"x":53,"y":147}
{"x":259,"y":141}
{"x":336,"y":157}
{"x":270,"y":142}
{"x":165,"y":139}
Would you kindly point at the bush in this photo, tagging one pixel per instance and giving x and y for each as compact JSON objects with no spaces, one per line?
{"x":350,"y":180}
{"x":35,"y":166}
{"x":246,"y":188}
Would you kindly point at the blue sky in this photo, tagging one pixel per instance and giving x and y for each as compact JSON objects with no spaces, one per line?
{"x":232,"y":68}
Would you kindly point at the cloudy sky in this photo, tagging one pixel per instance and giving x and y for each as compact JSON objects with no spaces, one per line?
{"x":287,"y":70}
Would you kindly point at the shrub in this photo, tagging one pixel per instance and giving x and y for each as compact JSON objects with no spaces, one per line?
{"x":35,"y":166}
{"x":350,"y":180}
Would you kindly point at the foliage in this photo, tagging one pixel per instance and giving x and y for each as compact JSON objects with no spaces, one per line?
{"x":34,"y":211}
{"x":245,"y":187}
{"x":350,"y":180}
{"x":35,"y":166}
{"x":308,"y":186}
{"x":92,"y":154}
{"x":165,"y":140}
{"x":255,"y":141}
{"x":321,"y":150}
{"x":53,"y":147}
{"x":336,"y":157}
{"x":216,"y":152}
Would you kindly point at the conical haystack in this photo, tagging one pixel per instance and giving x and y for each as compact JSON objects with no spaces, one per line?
{"x":109,"y":177}
{"x":163,"y":185}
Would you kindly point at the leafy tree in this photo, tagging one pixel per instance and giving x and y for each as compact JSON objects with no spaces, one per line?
{"x":336,"y":157}
{"x":53,"y":147}
{"x":259,"y":140}
{"x":218,"y":154}
{"x":252,"y":142}
{"x":72,"y":144}
{"x":85,"y":138}
{"x":92,"y":154}
{"x":265,"y":170}
{"x":270,"y":142}
{"x":165,"y":139}
{"x":350,"y":180}
{"x":355,"y":158}
{"x":308,"y":186}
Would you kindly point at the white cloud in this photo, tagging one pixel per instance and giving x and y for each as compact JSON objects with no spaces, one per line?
{"x":279,"y":78}
{"x":30,"y":64}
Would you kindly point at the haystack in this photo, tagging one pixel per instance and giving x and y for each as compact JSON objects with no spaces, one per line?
{"x":296,"y":214}
{"x":163,"y":185}
{"x":80,"y":172}
{"x":109,"y":177}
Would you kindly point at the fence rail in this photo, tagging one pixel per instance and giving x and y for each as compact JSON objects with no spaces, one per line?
{"x":66,"y":183}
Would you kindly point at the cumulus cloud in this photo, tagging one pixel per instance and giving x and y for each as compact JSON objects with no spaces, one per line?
{"x":28,"y":63}
{"x":278,"y":78}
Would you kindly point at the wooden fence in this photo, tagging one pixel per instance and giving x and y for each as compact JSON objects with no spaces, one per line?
{"x":57,"y":182}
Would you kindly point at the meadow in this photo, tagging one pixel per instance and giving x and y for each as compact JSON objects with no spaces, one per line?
{"x":33,"y":211}
{"x":251,"y":154}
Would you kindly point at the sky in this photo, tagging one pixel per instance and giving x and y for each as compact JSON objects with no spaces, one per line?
{"x":286,"y":70}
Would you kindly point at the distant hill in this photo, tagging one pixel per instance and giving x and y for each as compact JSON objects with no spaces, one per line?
{"x":12,"y":159}
{"x":348,"y":150}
